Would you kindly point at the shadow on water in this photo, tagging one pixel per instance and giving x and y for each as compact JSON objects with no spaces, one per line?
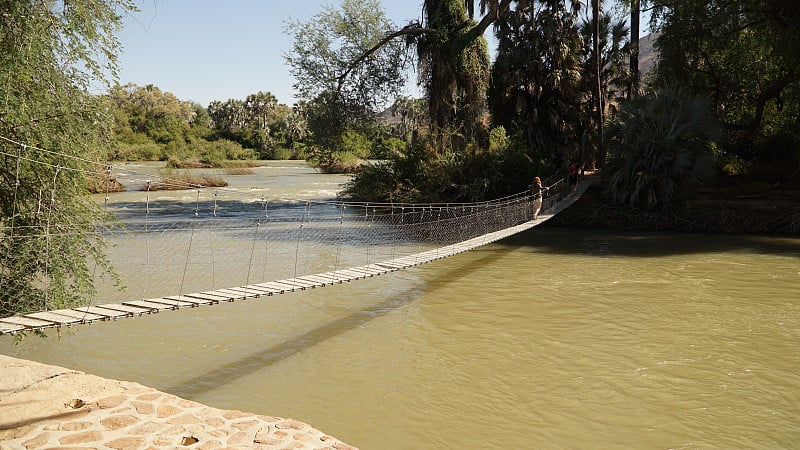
{"x":264,"y":358}
{"x":592,"y":242}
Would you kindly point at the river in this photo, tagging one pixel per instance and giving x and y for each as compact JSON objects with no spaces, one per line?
{"x":553,"y":338}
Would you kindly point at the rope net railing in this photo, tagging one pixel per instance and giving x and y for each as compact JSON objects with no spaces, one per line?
{"x":216,"y":241}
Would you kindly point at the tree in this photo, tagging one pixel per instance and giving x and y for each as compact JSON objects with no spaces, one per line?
{"x":454,"y":69}
{"x":228,"y":116}
{"x":598,"y":80}
{"x":52,"y":130}
{"x":614,"y":60}
{"x":150,"y":111}
{"x":341,"y":96}
{"x":296,"y":126}
{"x":411,"y":112}
{"x":452,"y":56}
{"x":259,"y":108}
{"x":745,"y":55}
{"x":634,"y":59}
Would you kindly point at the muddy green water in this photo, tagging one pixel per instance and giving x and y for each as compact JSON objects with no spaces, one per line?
{"x":555,"y":338}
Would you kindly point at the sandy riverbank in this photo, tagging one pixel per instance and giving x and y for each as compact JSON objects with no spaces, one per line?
{"x":44,"y":406}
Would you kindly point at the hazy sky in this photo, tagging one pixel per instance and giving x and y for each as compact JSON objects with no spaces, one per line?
{"x":204,"y":50}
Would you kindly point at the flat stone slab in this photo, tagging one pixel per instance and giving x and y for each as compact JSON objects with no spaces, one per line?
{"x":43,"y":406}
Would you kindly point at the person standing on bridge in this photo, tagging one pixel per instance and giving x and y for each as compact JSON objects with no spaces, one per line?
{"x":573,"y":178}
{"x":538,"y":193}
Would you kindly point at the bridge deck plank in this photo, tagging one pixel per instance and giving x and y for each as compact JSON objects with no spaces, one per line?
{"x":309,"y":282}
{"x":100,"y":310}
{"x":334,"y":277}
{"x":296,"y":281}
{"x":250,"y":290}
{"x":196,"y":299}
{"x":80,"y":314}
{"x":226,"y":294}
{"x":343,"y":275}
{"x":356,"y":274}
{"x":28,"y":322}
{"x":278,"y":286}
{"x":320,"y":280}
{"x":175,"y":303}
{"x":138,"y":310}
{"x":149,"y":305}
{"x":294,"y":285}
{"x":11,"y":328}
{"x":263,"y":289}
{"x":368,"y":271}
{"x":382,"y":270}
{"x":53,"y":316}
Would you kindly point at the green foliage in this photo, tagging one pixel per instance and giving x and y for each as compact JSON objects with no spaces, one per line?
{"x":387,"y":148}
{"x":149,"y":111}
{"x":50,"y":54}
{"x":350,"y":149}
{"x":258,"y":122}
{"x":659,"y":149}
{"x":744,"y":55}
{"x":355,"y":143}
{"x":147,"y":151}
{"x":498,"y":140}
{"x":222,"y":149}
{"x":614,"y":48}
{"x":421,"y":174}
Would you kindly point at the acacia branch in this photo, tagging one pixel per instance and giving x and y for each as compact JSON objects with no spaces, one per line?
{"x":414,"y":29}
{"x":772,"y":92}
{"x":494,"y":13}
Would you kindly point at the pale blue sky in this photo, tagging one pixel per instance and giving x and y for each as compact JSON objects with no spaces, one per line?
{"x":204,"y":50}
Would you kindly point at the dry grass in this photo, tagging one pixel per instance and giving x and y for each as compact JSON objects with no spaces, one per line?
{"x":192,"y":163}
{"x":177,"y":182}
{"x":237,"y":164}
{"x":101,"y":185}
{"x":238,"y":171}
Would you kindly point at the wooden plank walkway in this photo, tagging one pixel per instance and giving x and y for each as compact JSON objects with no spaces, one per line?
{"x":113,"y":311}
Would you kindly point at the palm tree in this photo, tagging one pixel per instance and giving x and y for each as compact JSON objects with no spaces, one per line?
{"x":659,"y":149}
{"x":535,"y":84}
{"x":296,"y":127}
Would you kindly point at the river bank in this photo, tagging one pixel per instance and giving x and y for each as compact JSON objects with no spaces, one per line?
{"x":709,"y":212}
{"x":44,"y":406}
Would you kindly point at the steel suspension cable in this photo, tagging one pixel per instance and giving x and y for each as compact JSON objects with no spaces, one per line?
{"x":47,"y":241}
{"x":191,"y":238}
{"x":146,"y":240}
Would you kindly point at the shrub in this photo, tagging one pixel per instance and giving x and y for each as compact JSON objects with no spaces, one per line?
{"x":136,"y":152}
{"x":659,"y":148}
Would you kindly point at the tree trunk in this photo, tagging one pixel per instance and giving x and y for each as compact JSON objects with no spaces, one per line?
{"x":598,"y":84}
{"x":634,"y":87}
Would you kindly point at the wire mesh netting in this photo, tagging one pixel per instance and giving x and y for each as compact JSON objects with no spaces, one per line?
{"x":219,"y":239}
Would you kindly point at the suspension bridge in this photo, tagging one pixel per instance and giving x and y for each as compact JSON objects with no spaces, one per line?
{"x":210,"y":246}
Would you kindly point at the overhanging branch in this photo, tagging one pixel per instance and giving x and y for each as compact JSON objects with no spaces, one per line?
{"x":414,"y":29}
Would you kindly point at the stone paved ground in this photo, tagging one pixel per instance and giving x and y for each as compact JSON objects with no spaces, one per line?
{"x":48,"y":407}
